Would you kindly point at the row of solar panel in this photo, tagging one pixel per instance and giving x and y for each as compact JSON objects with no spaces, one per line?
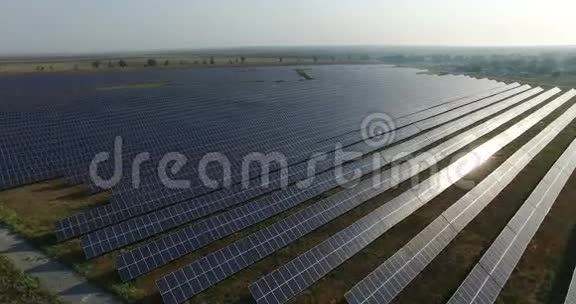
{"x":489,"y":276}
{"x":270,"y":240}
{"x":68,"y":137}
{"x":247,"y":215}
{"x":170,"y":217}
{"x":88,"y":118}
{"x":219,"y":92}
{"x":41,"y":137}
{"x":60,"y":153}
{"x":235,"y":219}
{"x":190,"y":206}
{"x":171,"y":198}
{"x":400,"y":123}
{"x":308,"y":111}
{"x":388,"y":280}
{"x":354,"y":138}
{"x":76,"y":145}
{"x":58,"y":88}
{"x":292,"y":278}
{"x":300,"y":155}
{"x":212,"y":232}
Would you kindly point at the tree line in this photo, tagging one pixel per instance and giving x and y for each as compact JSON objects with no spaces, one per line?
{"x":497,"y":65}
{"x":154,"y":62}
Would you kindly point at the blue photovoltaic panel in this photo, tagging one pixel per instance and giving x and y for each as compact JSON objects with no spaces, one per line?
{"x":295,"y":276}
{"x":490,"y":275}
{"x":382,"y":285}
{"x":181,"y":213}
{"x":276,"y":236}
{"x":107,"y":215}
{"x":145,"y":258}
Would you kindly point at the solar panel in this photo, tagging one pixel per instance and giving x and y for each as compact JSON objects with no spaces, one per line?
{"x":259,"y":129}
{"x":42,"y":170}
{"x":239,"y":255}
{"x":145,"y":258}
{"x":278,"y":286}
{"x":107,"y":215}
{"x":490,"y":275}
{"x":354,"y":136}
{"x":141,"y":227}
{"x":411,"y":259}
{"x":62,"y":134}
{"x":571,"y":295}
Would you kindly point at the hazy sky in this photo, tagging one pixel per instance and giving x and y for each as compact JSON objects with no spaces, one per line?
{"x":36,"y":26}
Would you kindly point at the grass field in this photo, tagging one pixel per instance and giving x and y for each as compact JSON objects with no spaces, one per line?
{"x":19,"y":288}
{"x":19,"y":210}
{"x":162,"y":62}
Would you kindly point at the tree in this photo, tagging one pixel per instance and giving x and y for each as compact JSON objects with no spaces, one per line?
{"x":205,"y":61}
{"x":280,"y":59}
{"x":122,"y":63}
{"x":332,"y":58}
{"x":110,"y":64}
{"x":96,"y":64}
{"x":242,"y":59}
{"x":212,"y":60}
{"x":315,"y":59}
{"x":167,"y":62}
{"x":151,"y":62}
{"x":51,"y":68}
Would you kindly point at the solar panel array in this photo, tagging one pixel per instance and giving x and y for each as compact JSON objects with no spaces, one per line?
{"x":309,"y":125}
{"x":388,"y":280}
{"x":149,"y":256}
{"x":292,"y":278}
{"x":278,"y":235}
{"x":184,"y":212}
{"x":76,"y":120}
{"x":107,"y":215}
{"x":233,"y":112}
{"x":490,"y":275}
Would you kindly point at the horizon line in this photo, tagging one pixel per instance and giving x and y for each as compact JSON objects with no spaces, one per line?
{"x":276,"y":47}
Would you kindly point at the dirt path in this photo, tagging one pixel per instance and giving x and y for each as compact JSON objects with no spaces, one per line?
{"x":55,"y":277}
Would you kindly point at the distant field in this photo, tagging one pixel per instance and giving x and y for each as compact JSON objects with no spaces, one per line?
{"x":48,"y":65}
